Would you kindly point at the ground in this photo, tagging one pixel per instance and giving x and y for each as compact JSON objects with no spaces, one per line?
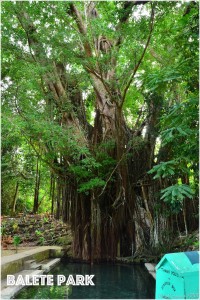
{"x":44,"y":230}
{"x":32,"y":231}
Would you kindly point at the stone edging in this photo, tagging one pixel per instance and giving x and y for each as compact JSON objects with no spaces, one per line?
{"x":151,"y":269}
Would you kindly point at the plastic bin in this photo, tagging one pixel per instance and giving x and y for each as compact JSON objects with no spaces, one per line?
{"x":177,"y":276}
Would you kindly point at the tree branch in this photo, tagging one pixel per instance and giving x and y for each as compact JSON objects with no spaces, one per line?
{"x":141,"y":58}
{"x":127,"y":9}
{"x":27,"y":34}
{"x":82,"y":29}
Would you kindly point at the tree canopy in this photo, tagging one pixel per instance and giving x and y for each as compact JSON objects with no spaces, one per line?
{"x":100,"y":119}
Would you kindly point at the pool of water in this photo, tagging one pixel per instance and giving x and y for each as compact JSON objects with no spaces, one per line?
{"x":112,"y":281}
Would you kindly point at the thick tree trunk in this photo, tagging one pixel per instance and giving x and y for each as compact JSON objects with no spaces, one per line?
{"x":119,"y":218}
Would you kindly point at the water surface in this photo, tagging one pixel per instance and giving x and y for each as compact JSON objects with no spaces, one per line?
{"x":112,"y":281}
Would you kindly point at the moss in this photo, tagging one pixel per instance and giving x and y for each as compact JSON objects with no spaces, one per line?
{"x":11,"y":268}
{"x":56,"y":253}
{"x":41,"y":255}
{"x":64,"y":240}
{"x":18,"y":265}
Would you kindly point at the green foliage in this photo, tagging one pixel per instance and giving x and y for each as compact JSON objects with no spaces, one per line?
{"x":38,"y":233}
{"x":41,"y":240}
{"x":85,"y":172}
{"x":190,"y":242}
{"x":33,"y":119}
{"x":15,"y":227}
{"x":92,"y":184}
{"x":180,"y":123}
{"x":160,"y":77}
{"x":87,"y":165}
{"x":16,"y":241}
{"x":164,"y":169}
{"x":177,"y":193}
{"x":91,"y":171}
{"x":45,"y":220}
{"x":40,"y":236}
{"x":64,"y":240}
{"x":3,"y":229}
{"x":196,"y":244}
{"x":179,"y":133}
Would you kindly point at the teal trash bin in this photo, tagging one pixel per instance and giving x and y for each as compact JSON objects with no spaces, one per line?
{"x":177,"y":276}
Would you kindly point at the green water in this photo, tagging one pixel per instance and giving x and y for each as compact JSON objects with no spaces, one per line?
{"x":112,"y":281}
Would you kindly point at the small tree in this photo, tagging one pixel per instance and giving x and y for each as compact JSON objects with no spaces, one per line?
{"x":16,"y":241}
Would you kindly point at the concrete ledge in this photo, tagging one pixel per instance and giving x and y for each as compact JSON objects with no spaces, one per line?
{"x":50,"y":264}
{"x":10,"y":291}
{"x":151,"y":269}
{"x":15,"y":263}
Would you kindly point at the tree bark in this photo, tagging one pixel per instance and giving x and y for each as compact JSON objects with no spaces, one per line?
{"x":37,"y":187}
{"x":15,"y":197}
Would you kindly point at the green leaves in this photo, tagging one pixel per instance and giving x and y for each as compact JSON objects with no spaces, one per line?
{"x":35,"y":116}
{"x":89,"y":172}
{"x":180,"y":135}
{"x":171,"y":134}
{"x":84,"y":168}
{"x":180,"y":129}
{"x":91,"y":184}
{"x":162,"y":76}
{"x":164,"y":169}
{"x":177,"y":193}
{"x":16,"y":240}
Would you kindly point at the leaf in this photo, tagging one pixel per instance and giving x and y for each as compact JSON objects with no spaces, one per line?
{"x":164,"y":169}
{"x":177,"y":193}
{"x":92,"y":184}
{"x":182,"y":131}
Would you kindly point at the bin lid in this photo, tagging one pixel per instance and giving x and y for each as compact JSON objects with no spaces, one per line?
{"x":181,"y":262}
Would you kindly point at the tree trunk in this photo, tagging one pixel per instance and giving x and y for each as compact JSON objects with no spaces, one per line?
{"x":15,"y":197}
{"x":52,"y":193}
{"x":118,"y":218}
{"x":58,"y":199}
{"x":37,"y":187}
